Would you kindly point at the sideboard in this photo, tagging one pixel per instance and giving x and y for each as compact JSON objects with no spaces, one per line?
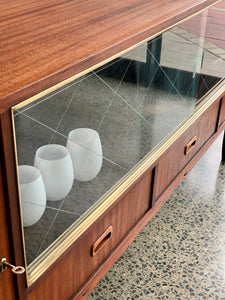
{"x":110,"y":105}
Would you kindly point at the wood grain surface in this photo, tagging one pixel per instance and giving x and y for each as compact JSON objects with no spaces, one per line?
{"x":171,"y":164}
{"x":9,"y":181}
{"x":45,"y":42}
{"x":6,"y":278}
{"x":222,"y":113}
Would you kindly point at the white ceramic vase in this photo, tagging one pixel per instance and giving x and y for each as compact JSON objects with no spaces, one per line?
{"x":55,"y":164}
{"x":32,"y":194}
{"x":85,"y":148}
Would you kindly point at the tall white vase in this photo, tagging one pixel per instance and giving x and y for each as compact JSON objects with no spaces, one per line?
{"x":55,"y":164}
{"x":85,"y":148}
{"x":32,"y":194}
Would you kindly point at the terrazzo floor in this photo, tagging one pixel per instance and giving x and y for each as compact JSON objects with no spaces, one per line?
{"x":180,"y":254}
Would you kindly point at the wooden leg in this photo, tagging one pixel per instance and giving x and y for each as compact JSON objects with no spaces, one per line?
{"x":223,"y":149}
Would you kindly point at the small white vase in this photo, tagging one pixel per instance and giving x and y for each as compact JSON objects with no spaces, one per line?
{"x":32,"y":194}
{"x":85,"y":148}
{"x":55,"y":164}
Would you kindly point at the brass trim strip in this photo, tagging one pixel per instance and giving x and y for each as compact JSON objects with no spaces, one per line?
{"x":18,"y":186}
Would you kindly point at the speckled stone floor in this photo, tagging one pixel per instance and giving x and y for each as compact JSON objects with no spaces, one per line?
{"x":180,"y":254}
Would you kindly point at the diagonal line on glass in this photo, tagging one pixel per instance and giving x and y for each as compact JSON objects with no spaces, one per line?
{"x":50,"y":227}
{"x":130,"y":106}
{"x":64,"y":136}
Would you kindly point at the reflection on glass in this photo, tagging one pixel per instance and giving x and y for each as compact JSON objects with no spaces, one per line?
{"x":55,"y":164}
{"x":85,"y":147}
{"x":134,"y":103}
{"x":33,"y":194}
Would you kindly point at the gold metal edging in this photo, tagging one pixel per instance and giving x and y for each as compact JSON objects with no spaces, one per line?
{"x":18,"y":188}
{"x":72,"y":234}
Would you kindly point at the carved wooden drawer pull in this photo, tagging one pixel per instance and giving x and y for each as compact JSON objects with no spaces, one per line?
{"x":190,"y":145}
{"x":101,"y":241}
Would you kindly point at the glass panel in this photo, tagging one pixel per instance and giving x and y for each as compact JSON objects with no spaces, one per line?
{"x":130,"y":106}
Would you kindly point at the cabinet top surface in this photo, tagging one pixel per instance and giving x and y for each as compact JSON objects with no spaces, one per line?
{"x":43,"y":43}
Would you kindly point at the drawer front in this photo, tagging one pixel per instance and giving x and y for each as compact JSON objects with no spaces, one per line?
{"x":112,"y":227}
{"x":94,"y":247}
{"x":184,"y":149}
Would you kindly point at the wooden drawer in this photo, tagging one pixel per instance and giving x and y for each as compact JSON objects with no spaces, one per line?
{"x":95,"y":246}
{"x":185,"y":148}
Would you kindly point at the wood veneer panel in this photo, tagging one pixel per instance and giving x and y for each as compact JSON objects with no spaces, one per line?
{"x":222,"y":112}
{"x":45,"y":42}
{"x":93,"y":281}
{"x":78,"y":264}
{"x":171,"y":164}
{"x":8,"y":170}
{"x":6,"y":278}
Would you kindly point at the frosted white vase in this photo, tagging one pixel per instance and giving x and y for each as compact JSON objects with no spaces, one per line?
{"x":32,"y":194}
{"x":55,"y":164}
{"x":85,"y":148}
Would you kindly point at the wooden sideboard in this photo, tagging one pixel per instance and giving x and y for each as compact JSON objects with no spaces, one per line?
{"x":46,"y":46}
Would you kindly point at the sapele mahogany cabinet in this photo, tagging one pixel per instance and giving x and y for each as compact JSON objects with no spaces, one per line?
{"x":104,"y":109}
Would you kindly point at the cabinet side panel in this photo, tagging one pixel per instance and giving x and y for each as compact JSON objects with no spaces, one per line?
{"x":6,"y":282}
{"x":9,"y":180}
